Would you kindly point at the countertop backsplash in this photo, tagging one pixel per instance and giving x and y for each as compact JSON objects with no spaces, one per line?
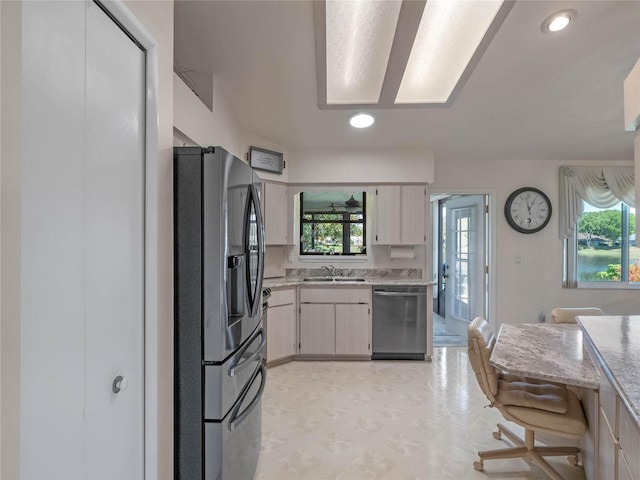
{"x":389,"y":273}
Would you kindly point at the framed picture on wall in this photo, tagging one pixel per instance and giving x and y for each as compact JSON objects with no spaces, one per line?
{"x":262,"y":159}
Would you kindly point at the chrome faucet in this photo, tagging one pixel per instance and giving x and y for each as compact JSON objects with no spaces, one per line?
{"x":331,"y":269}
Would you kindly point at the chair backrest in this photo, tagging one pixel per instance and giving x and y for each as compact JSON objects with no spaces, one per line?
{"x":481,"y":342}
{"x":568,"y":315}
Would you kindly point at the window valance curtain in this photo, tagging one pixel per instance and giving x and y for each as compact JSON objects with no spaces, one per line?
{"x":602,"y":187}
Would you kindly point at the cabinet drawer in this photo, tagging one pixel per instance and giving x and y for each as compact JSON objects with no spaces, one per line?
{"x":607,"y":449}
{"x":282,"y":297}
{"x":335,"y":295}
{"x":630,"y":441}
{"x":609,"y":402}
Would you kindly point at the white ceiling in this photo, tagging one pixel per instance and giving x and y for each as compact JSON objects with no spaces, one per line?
{"x":532,"y":96}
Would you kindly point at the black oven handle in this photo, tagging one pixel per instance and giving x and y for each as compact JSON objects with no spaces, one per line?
{"x":238,"y":417}
{"x":238,"y":365}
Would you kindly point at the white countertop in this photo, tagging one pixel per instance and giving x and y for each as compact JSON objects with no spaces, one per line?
{"x":547,"y":351}
{"x":369,"y":281}
{"x":616,"y":339}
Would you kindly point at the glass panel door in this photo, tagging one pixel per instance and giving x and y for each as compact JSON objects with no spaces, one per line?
{"x":465,"y":259}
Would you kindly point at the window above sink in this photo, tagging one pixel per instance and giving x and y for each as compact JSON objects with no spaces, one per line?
{"x":333,"y":223}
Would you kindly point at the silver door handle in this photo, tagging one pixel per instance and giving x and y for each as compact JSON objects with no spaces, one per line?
{"x":120,"y":384}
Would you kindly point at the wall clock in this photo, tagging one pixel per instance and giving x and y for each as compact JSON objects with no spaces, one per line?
{"x":528,"y":210}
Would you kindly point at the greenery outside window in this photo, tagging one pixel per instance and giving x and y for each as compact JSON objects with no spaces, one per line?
{"x":333,"y":223}
{"x":606,"y":245}
{"x":597,"y":223}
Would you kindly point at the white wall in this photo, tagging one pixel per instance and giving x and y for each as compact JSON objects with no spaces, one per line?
{"x":535,"y":285}
{"x":379,"y":165}
{"x":218,"y":126}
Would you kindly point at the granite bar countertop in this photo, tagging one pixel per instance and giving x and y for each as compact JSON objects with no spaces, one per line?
{"x":368,"y":281}
{"x":547,"y":351}
{"x":616,"y":339}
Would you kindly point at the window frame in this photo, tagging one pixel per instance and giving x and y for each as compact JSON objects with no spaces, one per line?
{"x":345,"y":231}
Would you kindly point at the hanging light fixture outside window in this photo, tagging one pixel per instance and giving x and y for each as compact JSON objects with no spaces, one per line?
{"x":352,"y":205}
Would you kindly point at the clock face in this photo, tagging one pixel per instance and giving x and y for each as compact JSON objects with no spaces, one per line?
{"x":528,"y":210}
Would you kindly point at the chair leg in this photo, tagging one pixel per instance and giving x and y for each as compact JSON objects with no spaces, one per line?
{"x":526,"y":449}
{"x":544,"y":465}
{"x":517,"y":441}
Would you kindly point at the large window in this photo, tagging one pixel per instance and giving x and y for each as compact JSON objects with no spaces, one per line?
{"x":607,"y":250}
{"x":333,"y":223}
{"x":597,"y":222}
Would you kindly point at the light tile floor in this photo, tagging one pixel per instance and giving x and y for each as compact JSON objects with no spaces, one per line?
{"x":443,"y":337}
{"x":383,"y":420}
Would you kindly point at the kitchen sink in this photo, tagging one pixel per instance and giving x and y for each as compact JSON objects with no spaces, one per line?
{"x":317,"y":279}
{"x":348,"y":279}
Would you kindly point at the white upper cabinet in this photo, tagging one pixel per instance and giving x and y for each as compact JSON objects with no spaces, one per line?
{"x":277,"y":223}
{"x":401,"y":215}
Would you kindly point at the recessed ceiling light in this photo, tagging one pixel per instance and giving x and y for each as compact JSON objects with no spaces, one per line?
{"x":361,"y":120}
{"x":558,"y":21}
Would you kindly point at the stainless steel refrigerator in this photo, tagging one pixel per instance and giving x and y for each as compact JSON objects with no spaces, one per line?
{"x":219,"y":339}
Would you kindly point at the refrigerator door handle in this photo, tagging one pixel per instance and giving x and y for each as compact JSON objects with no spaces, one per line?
{"x":261,"y":247}
{"x":238,"y":417}
{"x":254,"y":291}
{"x":239,"y":365}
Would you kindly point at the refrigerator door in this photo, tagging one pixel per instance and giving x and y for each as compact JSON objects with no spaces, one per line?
{"x":233,"y":247}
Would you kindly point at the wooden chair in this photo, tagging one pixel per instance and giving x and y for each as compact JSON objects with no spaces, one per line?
{"x":535,"y":405}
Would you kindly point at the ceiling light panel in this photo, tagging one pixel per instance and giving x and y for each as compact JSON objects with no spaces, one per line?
{"x":449,"y":34}
{"x":359,"y":37}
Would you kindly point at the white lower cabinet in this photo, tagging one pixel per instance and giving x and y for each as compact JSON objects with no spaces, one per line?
{"x":618,"y":434}
{"x":352,"y":330}
{"x":317,"y":329}
{"x":335,"y":321}
{"x":281,"y":325}
{"x":629,"y":444}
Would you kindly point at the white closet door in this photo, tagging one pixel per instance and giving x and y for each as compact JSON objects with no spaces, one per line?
{"x":82,"y":315}
{"x":52,"y":242}
{"x":114,"y":219}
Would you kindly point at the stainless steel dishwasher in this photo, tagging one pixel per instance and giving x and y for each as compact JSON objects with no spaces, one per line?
{"x":399,"y":323}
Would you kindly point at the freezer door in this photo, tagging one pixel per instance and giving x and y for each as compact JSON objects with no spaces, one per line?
{"x":223,"y":384}
{"x":232,"y":446}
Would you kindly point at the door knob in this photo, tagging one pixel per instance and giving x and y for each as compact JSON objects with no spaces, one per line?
{"x":120,"y":384}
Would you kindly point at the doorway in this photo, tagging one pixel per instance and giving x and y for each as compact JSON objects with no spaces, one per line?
{"x":460,"y":264}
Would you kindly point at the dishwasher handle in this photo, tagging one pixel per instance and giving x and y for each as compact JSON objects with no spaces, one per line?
{"x":384,"y":293}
